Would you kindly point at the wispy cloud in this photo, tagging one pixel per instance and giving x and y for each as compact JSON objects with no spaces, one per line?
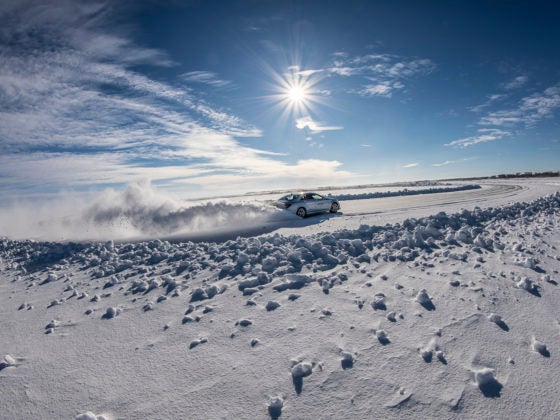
{"x":70,"y":92}
{"x":445,"y":163}
{"x":484,"y":135}
{"x":205,"y":77}
{"x":501,"y":118}
{"x":505,"y":92}
{"x":516,"y":82}
{"x":315,"y":126}
{"x":296,"y":70}
{"x":411,"y":165}
{"x":491,"y":99}
{"x":450,"y":162}
{"x":384,"y":89}
{"x":381,"y":73}
{"x":530,"y":110}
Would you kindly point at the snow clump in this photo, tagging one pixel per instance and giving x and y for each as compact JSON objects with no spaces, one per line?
{"x":7,"y":361}
{"x":301,"y":370}
{"x":484,"y":376}
{"x":88,"y":415}
{"x":539,"y":347}
{"x":275,"y":406}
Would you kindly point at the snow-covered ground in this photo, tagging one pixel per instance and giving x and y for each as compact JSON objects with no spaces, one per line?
{"x":435,"y":305}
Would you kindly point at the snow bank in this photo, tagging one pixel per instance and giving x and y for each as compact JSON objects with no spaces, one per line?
{"x":289,"y":258}
{"x":406,"y":191}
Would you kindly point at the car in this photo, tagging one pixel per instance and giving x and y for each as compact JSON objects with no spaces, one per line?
{"x":304,"y":204}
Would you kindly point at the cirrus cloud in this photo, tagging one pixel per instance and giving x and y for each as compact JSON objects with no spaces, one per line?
{"x":381,"y":73}
{"x":485,"y":135}
{"x":530,"y":110}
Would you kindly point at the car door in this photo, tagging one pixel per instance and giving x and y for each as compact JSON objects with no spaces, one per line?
{"x":309,"y":203}
{"x":321,"y":203}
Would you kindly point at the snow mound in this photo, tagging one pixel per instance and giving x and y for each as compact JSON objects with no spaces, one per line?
{"x":484,"y":376}
{"x":347,"y":360}
{"x":486,"y":381}
{"x":539,"y":347}
{"x":406,"y":192}
{"x":7,"y":361}
{"x":302,"y":369}
{"x":424,"y":299}
{"x":275,"y":406}
{"x":111,"y":312}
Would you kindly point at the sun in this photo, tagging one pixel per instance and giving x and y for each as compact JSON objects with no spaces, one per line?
{"x":296,"y":94}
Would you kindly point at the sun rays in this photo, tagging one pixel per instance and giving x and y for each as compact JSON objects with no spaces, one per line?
{"x":296,"y":92}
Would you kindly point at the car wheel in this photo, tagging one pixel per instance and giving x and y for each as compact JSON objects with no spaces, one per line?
{"x":301,"y":212}
{"x":334,"y":208}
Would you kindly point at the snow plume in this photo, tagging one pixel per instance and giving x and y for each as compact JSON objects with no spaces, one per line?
{"x":139,"y":211}
{"x":144,"y":211}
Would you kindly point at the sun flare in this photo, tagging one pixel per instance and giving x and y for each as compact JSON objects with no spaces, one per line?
{"x":296,"y":94}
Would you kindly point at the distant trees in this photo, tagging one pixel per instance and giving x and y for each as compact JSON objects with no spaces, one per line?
{"x":545,"y":174}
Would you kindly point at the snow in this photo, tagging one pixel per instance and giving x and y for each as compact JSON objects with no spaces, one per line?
{"x":7,"y":361}
{"x":301,"y":370}
{"x":540,"y":347}
{"x":407,"y":192}
{"x":275,"y":407}
{"x":484,"y":376}
{"x":444,"y":306}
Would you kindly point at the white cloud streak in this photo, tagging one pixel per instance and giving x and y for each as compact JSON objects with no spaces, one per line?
{"x":516,"y":83}
{"x":205,"y":77}
{"x":491,"y":99}
{"x":485,"y":135}
{"x":314,"y":126}
{"x":450,"y":162}
{"x":411,"y":165}
{"x":445,"y":163}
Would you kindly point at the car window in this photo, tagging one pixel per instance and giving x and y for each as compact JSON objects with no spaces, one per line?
{"x":289,"y":197}
{"x":317,"y":197}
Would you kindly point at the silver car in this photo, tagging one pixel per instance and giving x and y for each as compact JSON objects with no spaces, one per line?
{"x":307,"y":203}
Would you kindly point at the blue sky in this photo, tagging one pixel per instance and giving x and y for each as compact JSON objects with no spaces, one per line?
{"x":207,"y":97}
